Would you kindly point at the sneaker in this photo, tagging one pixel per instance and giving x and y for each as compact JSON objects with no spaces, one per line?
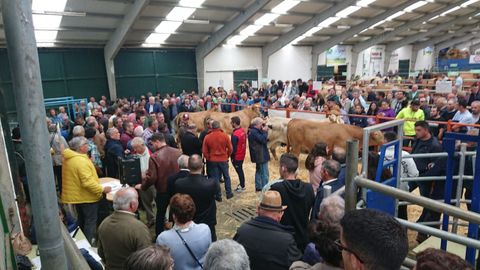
{"x":218,"y":199}
{"x":229,"y":196}
{"x":240,"y":189}
{"x":222,"y":180}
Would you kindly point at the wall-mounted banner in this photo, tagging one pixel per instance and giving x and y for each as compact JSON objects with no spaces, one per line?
{"x":428,"y":51}
{"x":475,"y":59}
{"x":337,"y":55}
{"x":376,"y":53}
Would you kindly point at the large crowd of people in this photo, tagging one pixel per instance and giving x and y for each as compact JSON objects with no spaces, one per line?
{"x":296,"y":227}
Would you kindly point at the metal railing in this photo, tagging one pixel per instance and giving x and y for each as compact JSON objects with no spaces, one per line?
{"x":353,"y":182}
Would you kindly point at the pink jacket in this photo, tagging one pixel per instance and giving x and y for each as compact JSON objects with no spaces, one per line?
{"x":315,"y":175}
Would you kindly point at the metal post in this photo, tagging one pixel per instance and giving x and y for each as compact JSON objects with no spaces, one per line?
{"x":444,"y":208}
{"x":27,"y":85}
{"x":461,"y":171}
{"x":351,"y":173}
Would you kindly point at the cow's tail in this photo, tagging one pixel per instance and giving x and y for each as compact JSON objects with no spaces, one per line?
{"x":176,"y":121}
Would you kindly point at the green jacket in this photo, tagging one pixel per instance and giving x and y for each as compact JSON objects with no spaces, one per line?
{"x":120,"y":235}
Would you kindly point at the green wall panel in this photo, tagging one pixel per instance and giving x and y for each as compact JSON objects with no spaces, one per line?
{"x":164,"y":71}
{"x":240,"y":76}
{"x":81,"y":72}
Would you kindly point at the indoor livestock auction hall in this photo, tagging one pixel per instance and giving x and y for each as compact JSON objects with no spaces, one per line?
{"x":239,"y":134}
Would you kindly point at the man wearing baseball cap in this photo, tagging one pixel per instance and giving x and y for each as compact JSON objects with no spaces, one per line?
{"x":269,"y":244}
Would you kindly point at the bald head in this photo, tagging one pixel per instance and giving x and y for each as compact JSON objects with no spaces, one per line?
{"x":126,"y":199}
{"x":195,"y":164}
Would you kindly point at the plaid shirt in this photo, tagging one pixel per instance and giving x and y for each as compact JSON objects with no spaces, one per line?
{"x":92,"y":149}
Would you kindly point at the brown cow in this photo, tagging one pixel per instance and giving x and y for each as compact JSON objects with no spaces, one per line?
{"x":196,"y":118}
{"x":246,"y":116}
{"x":277,"y":130}
{"x":302,"y":135}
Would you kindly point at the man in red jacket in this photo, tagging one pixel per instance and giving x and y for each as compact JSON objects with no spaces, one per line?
{"x":216,"y":149}
{"x":239,"y":144}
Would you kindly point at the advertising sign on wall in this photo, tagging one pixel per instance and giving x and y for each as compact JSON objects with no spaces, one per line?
{"x":337,"y":55}
{"x":474,"y":59}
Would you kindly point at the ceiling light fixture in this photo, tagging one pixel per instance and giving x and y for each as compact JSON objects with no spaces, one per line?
{"x":466,"y":4}
{"x":191,"y":3}
{"x":415,"y":6}
{"x":285,"y":6}
{"x":450,"y":10}
{"x":167,"y":27}
{"x":180,"y":13}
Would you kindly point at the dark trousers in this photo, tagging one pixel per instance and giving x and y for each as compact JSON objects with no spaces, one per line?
{"x":213,"y":232}
{"x":57,"y":172}
{"x":162,"y":203}
{"x":217,"y":169}
{"x":87,"y":218}
{"x":238,"y":165}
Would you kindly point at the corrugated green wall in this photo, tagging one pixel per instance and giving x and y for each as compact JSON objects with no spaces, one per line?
{"x":81,"y":72}
{"x":164,"y":71}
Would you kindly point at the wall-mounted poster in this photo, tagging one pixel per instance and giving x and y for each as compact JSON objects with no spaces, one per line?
{"x":337,"y":55}
{"x":376,"y":53}
{"x":428,"y":51}
{"x":475,"y":59}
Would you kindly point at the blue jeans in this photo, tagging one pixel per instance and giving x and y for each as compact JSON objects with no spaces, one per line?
{"x":238,"y":165}
{"x":261,"y":175}
{"x":217,"y":169}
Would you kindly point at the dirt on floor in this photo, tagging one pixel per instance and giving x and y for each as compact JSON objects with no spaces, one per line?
{"x":233,"y":212}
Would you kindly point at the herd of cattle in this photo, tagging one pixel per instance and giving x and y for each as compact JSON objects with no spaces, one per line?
{"x":300,"y":135}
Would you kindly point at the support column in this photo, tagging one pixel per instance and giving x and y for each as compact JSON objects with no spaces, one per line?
{"x":264,"y":64}
{"x":353,"y":65}
{"x":200,"y":63}
{"x":112,"y":86}
{"x":315,"y":56}
{"x":386,"y":63}
{"x":27,"y":85}
{"x":413,"y":59}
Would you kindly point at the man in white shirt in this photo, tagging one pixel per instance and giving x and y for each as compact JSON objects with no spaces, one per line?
{"x":408,"y":169}
{"x":463,"y":116}
{"x":147,"y":197}
{"x":459,"y":82}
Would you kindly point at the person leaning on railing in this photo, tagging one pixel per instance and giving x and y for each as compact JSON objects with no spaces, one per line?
{"x":411,"y":115}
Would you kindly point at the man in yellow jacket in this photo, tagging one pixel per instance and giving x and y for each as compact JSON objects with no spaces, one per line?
{"x":411,"y":115}
{"x":80,"y":185}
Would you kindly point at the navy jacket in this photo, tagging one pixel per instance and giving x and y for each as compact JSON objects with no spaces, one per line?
{"x":269,"y":244}
{"x":336,"y":185}
{"x":156,"y":107}
{"x":113,"y":150}
{"x":257,"y":144}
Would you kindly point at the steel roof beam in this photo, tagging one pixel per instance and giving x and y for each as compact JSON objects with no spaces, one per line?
{"x":117,"y":39}
{"x":387,"y":35}
{"x":410,"y":39}
{"x":321,"y":47}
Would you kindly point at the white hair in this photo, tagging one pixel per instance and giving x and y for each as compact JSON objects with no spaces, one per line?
{"x":138,"y":131}
{"x":77,"y":142}
{"x":78,"y":131}
{"x":183,"y":162}
{"x":226,"y":254}
{"x":332,"y":209}
{"x":137,"y":141}
{"x":123,"y":197}
{"x":256,"y":121}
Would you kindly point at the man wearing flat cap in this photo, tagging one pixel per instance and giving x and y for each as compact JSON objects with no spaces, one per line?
{"x":269,"y":244}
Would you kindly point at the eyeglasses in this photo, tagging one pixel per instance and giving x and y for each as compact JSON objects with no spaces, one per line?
{"x":342,"y":248}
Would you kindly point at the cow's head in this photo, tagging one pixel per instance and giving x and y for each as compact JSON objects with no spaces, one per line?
{"x":376,"y":138}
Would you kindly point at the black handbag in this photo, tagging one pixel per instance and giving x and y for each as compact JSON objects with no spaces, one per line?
{"x":189,"y":250}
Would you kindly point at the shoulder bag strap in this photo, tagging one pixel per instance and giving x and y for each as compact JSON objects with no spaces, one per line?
{"x":189,"y":250}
